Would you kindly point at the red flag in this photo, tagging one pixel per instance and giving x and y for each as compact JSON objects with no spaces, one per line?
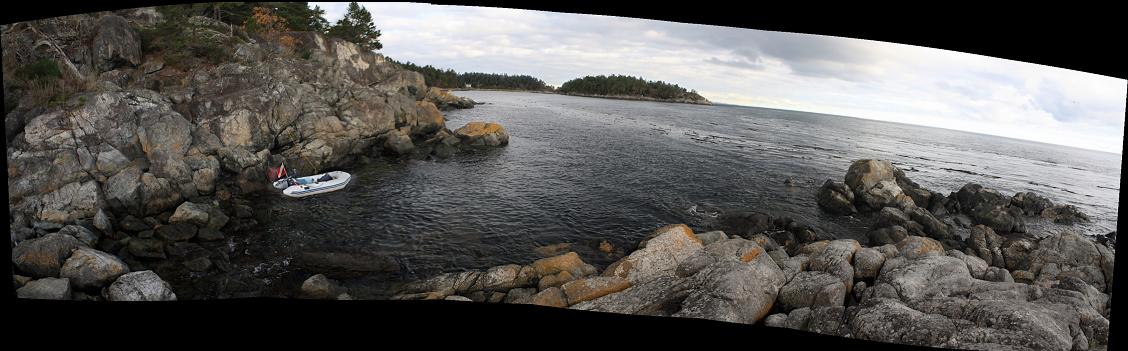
{"x":275,"y":173}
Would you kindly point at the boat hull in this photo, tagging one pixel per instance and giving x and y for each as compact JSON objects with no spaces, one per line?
{"x":311,"y":186}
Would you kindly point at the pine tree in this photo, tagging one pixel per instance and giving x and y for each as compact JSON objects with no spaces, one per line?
{"x":357,"y":27}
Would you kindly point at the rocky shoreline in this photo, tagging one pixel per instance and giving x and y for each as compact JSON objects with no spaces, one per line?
{"x":918,"y":280}
{"x":137,"y":186}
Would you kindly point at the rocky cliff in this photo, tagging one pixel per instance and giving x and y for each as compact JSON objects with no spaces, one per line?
{"x":148,"y":135}
{"x":147,"y":155}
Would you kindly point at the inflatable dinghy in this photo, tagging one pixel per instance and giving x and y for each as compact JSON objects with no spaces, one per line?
{"x":314,"y":184}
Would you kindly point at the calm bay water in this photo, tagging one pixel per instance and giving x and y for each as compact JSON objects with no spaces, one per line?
{"x":581,"y":170}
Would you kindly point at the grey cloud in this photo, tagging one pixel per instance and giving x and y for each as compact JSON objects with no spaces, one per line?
{"x":1051,"y":99}
{"x":742,"y":64}
{"x":963,"y":90}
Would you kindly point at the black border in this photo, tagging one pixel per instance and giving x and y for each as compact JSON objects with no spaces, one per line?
{"x":1088,"y":39}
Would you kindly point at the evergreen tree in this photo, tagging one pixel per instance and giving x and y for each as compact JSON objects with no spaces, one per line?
{"x":626,"y":86}
{"x":357,"y":27}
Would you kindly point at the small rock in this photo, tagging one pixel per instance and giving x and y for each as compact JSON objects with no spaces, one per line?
{"x":520,"y":295}
{"x":996,"y":274}
{"x":606,"y":247}
{"x":176,"y":232}
{"x":888,"y":235}
{"x":553,"y":250}
{"x":132,"y":224}
{"x":867,"y":262}
{"x":496,"y":297}
{"x":913,"y":247}
{"x":103,"y":222}
{"x":553,"y":297}
{"x":85,"y":236}
{"x":567,"y":262}
{"x":557,"y":279}
{"x":191,"y":212}
{"x":19,"y":280}
{"x":458,"y":298}
{"x":208,"y":234}
{"x":146,"y":248}
{"x":836,"y":198}
{"x":198,"y":264}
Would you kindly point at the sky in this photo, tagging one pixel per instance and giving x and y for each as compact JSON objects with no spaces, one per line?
{"x":816,"y":73}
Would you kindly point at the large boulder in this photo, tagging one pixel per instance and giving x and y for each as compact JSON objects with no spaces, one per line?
{"x":812,"y":289}
{"x":732,"y":280}
{"x":115,"y":44}
{"x":140,"y":286}
{"x":874,"y":184}
{"x":661,"y":255}
{"x":482,"y":134}
{"x":43,"y":257}
{"x":46,"y":289}
{"x":990,"y":208}
{"x":1067,"y":252}
{"x":934,"y":301}
{"x":92,"y":269}
{"x":836,"y":198}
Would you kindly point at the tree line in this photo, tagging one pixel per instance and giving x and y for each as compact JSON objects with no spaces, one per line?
{"x":356,"y":26}
{"x":448,"y":78}
{"x":626,"y":86}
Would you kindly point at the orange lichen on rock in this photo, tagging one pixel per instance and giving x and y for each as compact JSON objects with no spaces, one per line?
{"x":477,"y":129}
{"x":751,"y":254}
{"x":570,"y":262}
{"x":591,"y":288}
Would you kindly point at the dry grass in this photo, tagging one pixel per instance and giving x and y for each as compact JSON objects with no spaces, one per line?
{"x":51,"y":92}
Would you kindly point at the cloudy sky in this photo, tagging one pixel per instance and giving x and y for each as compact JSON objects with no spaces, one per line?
{"x":833,"y":75}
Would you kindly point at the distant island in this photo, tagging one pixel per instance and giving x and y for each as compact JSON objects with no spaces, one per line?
{"x":612,"y":87}
{"x":630,"y":88}
{"x":449,"y":79}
